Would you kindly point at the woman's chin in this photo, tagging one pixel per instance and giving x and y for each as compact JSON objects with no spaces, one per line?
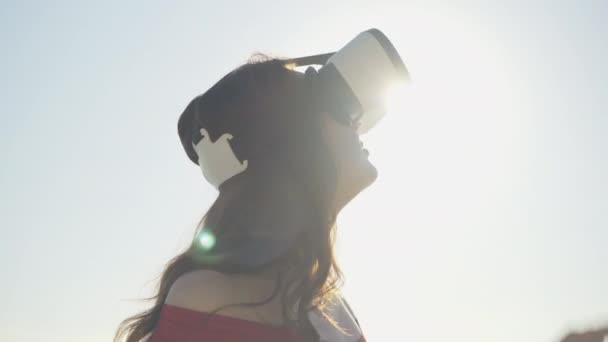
{"x":371,"y":174}
{"x":366,"y":176}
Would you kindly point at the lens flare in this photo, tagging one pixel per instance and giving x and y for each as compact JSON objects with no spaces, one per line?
{"x":206,"y":240}
{"x":395,"y":95}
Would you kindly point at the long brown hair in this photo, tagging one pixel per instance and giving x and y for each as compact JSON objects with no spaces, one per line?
{"x":287,"y":189}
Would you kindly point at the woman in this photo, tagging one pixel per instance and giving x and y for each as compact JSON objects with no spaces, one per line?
{"x":261,"y":266}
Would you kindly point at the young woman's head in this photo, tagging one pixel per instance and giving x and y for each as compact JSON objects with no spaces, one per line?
{"x":271,"y":112}
{"x":277,"y":216}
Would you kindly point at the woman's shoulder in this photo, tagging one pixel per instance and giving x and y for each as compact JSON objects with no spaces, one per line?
{"x":200,"y":290}
{"x":208,"y":290}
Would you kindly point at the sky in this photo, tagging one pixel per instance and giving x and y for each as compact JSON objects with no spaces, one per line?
{"x":488,"y":220}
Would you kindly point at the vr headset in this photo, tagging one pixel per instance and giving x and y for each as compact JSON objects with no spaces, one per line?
{"x":351,"y":85}
{"x":352,"y":82}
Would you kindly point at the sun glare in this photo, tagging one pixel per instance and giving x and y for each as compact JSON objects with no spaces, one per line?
{"x":446,"y":152}
{"x":206,"y":240}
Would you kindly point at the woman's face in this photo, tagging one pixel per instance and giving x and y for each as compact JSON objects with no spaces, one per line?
{"x":355,"y":172}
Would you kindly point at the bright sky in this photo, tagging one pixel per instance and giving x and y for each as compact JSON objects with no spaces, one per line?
{"x":488,"y":220}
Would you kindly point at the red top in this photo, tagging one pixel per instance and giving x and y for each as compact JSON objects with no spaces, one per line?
{"x":177,"y":324}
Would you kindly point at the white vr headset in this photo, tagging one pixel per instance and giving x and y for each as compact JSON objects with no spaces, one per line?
{"x":351,"y":85}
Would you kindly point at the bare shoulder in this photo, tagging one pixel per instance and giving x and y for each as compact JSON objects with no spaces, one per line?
{"x":201,"y":290}
{"x":208,"y":290}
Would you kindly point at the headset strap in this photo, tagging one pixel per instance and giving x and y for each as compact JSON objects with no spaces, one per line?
{"x":310,"y":60}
